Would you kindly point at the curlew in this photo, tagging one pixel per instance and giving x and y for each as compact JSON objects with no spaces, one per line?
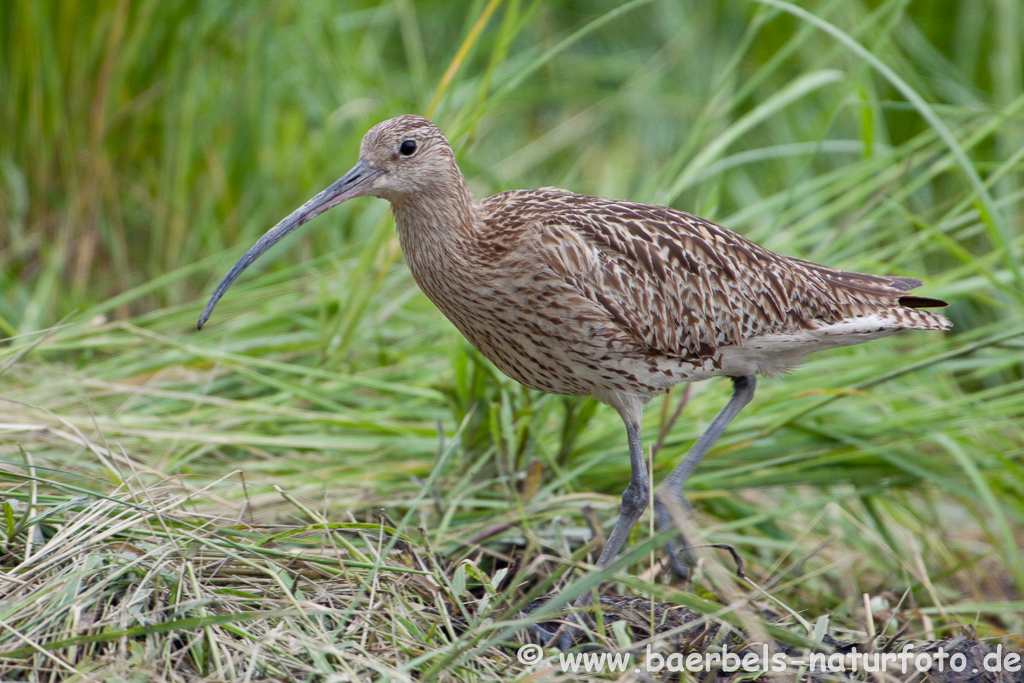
{"x":617,"y":300}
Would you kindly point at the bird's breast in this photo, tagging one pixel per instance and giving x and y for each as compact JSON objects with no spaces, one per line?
{"x":537,"y":329}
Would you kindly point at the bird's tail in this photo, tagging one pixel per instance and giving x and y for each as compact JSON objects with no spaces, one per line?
{"x":885,"y":294}
{"x":913,"y":318}
{"x":910,"y":305}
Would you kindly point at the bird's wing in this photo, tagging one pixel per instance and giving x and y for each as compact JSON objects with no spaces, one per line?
{"x":678,"y":284}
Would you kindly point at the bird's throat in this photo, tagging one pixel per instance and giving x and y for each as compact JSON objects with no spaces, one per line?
{"x":436,"y":236}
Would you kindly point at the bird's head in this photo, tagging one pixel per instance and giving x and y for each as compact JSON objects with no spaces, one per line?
{"x":409,"y":156}
{"x":400,"y":158}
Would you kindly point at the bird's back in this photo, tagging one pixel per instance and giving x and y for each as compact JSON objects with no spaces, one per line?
{"x":685,"y":288}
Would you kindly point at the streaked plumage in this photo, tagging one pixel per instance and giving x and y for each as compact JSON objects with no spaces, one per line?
{"x":618,"y":300}
{"x":618,"y":297}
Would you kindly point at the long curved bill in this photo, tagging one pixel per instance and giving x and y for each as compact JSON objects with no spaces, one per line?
{"x":355,"y":183}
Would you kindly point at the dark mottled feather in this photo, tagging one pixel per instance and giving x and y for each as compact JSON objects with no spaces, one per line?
{"x":682,"y":285}
{"x":620,"y":300}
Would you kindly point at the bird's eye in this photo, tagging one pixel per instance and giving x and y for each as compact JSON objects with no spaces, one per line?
{"x":407,"y":148}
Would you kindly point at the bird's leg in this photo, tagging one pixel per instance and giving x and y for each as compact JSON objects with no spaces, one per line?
{"x":634,"y":500}
{"x":743,"y":391}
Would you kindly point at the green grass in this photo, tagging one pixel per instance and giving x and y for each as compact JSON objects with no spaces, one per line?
{"x":149,"y":471}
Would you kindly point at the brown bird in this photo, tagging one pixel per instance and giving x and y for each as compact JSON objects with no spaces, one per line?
{"x":617,"y":300}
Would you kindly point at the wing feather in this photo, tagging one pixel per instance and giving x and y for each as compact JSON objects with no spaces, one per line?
{"x":678,"y":284}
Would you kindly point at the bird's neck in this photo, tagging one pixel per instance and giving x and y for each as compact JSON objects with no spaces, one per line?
{"x":434,"y":228}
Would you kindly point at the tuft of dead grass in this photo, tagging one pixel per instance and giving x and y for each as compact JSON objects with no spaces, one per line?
{"x":138,"y":584}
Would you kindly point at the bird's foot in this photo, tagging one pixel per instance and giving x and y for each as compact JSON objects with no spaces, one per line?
{"x":682,"y":561}
{"x":562,"y":637}
{"x":561,"y":632}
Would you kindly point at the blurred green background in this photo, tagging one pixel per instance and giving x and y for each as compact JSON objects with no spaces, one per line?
{"x":141,"y":137}
{"x":145,"y":145}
